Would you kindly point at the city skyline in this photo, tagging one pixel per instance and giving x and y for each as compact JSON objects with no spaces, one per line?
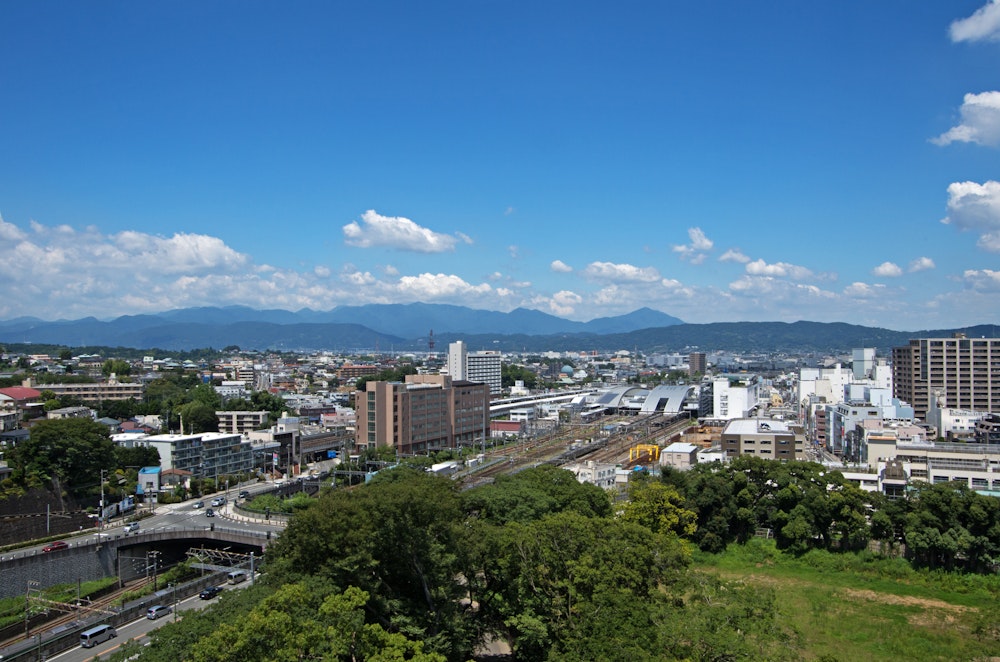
{"x":726,"y":162}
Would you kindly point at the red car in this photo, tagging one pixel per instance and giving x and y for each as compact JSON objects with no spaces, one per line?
{"x":53,"y":546}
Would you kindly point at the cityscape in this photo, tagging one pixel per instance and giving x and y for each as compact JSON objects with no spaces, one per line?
{"x":499,"y":332}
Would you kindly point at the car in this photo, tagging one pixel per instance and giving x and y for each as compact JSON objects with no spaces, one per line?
{"x":133,"y":527}
{"x":210,"y":592}
{"x":54,"y":546}
{"x":218,"y":501}
{"x":198,"y":504}
{"x":209,"y":513}
{"x":155,"y":612}
{"x":244,"y":494}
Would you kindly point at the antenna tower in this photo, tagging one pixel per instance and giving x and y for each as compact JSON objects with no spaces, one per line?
{"x":430,"y":342}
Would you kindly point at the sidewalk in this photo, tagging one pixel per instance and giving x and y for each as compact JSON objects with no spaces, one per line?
{"x":228,"y":512}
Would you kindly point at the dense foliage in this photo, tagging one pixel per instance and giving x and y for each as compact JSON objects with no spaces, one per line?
{"x":407,"y":567}
{"x":69,"y":455}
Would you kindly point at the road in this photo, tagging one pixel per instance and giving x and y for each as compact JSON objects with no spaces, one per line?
{"x":137,"y":630}
{"x":175,"y":515}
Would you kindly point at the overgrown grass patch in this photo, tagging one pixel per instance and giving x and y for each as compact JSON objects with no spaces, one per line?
{"x":860,"y":606}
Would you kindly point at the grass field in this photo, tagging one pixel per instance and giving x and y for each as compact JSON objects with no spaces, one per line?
{"x":864,"y":607}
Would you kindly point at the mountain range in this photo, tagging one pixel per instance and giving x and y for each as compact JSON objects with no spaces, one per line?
{"x":409,"y":327}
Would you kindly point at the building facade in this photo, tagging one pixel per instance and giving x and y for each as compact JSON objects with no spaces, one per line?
{"x":964,"y":372}
{"x":482,"y":367}
{"x":765,"y":438}
{"x":241,"y":422}
{"x":425,"y":413}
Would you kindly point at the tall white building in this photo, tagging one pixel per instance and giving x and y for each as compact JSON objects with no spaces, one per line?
{"x":457,"y":352}
{"x":480,"y":367}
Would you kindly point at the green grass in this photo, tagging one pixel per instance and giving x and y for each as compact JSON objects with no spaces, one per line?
{"x":860,"y":606}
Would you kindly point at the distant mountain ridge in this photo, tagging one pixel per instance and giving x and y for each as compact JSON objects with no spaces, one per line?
{"x":406,"y":328}
{"x":373,"y":325}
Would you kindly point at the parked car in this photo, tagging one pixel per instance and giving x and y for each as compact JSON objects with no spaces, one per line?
{"x":53,"y":546}
{"x":198,"y":504}
{"x":209,"y":513}
{"x":244,"y":494}
{"x":210,"y":592}
{"x":154,"y":613}
{"x":132,"y":527}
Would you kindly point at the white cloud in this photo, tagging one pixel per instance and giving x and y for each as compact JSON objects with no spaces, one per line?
{"x":398,"y":232}
{"x":564,"y":302}
{"x":433,"y":287}
{"x":778,"y":269}
{"x":734,"y":255}
{"x":390,"y":270}
{"x":887,"y":270}
{"x":513,"y":251}
{"x":322,"y":271}
{"x":980,"y":121}
{"x":976,"y":207}
{"x":984,"y":24}
{"x":621,"y":273}
{"x":984,"y":280}
{"x":921,"y":264}
{"x":694,"y":251}
{"x":862,"y":290}
{"x":358,"y":278}
{"x":560,"y":267}
{"x":10,"y":232}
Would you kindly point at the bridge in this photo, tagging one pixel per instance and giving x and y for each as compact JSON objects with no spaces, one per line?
{"x":100,"y":555}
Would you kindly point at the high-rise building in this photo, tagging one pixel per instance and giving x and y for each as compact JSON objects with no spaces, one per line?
{"x":482,"y":367}
{"x":457,"y":352}
{"x":696,"y":363}
{"x":963,"y":372}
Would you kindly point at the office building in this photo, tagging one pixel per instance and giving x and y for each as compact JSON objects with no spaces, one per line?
{"x":425,"y":413}
{"x":764,"y":438}
{"x":963,"y":372}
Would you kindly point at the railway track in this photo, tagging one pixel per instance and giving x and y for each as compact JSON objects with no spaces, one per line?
{"x":556,"y":447}
{"x":69,"y":613}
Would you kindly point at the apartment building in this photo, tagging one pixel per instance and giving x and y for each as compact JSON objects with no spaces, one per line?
{"x":964,"y":372}
{"x":205,"y":455}
{"x":423,"y":414}
{"x":97,"y":391}
{"x":482,"y":367}
{"x":241,"y":422}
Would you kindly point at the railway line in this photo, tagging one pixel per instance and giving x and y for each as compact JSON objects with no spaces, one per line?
{"x":605,"y":440}
{"x":70,"y":613}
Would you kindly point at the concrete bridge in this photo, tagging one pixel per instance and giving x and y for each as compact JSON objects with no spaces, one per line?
{"x":95,"y":556}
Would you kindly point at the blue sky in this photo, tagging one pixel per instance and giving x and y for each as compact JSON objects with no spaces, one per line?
{"x":718,"y":161}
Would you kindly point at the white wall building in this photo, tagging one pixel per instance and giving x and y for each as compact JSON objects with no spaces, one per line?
{"x":734,"y":399}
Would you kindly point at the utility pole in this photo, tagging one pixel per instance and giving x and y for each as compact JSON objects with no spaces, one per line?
{"x":100,"y":512}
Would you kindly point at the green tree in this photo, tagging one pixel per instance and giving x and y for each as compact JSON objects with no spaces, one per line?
{"x":198,"y":417}
{"x":533,"y":493}
{"x":659,"y":508}
{"x":118,"y":367}
{"x":394,"y":539}
{"x":72,"y":451}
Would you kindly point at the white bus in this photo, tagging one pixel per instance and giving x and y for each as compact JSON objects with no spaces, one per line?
{"x":97,"y":635}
